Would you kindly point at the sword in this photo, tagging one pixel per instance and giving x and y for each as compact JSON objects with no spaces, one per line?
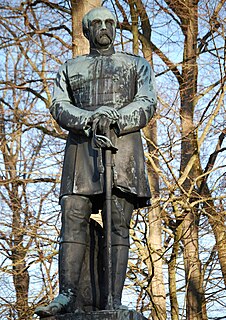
{"x":108,"y":183}
{"x":105,"y":143}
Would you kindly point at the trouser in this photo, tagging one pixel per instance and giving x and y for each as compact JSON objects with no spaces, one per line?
{"x":76,"y":211}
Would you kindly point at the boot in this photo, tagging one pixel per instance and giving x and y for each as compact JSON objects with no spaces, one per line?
{"x":71,"y":256}
{"x":58,"y":306}
{"x":119,"y":267}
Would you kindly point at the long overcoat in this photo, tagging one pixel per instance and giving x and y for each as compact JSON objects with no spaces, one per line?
{"x":123,"y":81}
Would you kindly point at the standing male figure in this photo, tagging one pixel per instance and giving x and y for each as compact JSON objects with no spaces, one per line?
{"x":93,"y":93}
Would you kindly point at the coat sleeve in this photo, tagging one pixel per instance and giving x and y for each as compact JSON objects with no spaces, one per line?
{"x":67,"y":115}
{"x":137,"y":114}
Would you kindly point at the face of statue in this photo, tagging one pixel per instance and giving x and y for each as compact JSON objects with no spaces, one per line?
{"x":100,"y":28}
{"x":102,"y":32}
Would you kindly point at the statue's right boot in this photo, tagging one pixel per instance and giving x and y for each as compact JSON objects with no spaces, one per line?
{"x":119,"y":266}
{"x":71,"y":257}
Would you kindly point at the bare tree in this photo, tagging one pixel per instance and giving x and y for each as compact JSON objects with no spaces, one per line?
{"x":178,"y":243}
{"x":30,"y":158}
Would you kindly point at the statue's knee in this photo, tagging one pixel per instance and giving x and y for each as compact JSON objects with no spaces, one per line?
{"x":76,"y":211}
{"x":76,"y":208}
{"x":120,"y":238}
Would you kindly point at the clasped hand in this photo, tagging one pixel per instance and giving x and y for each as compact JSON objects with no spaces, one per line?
{"x":103,"y":118}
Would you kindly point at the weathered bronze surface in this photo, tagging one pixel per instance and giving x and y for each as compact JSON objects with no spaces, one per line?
{"x":103,"y":100}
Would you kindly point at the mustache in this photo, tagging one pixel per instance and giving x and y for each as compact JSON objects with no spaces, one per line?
{"x":107,"y":33}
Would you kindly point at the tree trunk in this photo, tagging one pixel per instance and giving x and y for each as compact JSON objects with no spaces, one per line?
{"x":172,"y":274}
{"x":18,"y":252}
{"x":194,"y":294}
{"x":188,"y":90}
{"x":157,"y":288}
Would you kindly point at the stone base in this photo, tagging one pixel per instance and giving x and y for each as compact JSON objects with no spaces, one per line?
{"x":100,"y":315}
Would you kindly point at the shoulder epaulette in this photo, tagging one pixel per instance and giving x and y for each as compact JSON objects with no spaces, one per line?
{"x":76,"y":58}
{"x":130,"y":54}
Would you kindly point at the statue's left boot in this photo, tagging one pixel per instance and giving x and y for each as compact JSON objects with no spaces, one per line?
{"x":119,"y":267}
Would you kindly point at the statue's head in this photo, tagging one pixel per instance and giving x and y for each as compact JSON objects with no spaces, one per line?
{"x":99,"y":26}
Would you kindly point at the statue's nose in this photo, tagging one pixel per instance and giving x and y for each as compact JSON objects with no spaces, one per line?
{"x":103,"y":25}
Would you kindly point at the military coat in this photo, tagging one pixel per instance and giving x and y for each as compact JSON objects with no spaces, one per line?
{"x":123,"y":81}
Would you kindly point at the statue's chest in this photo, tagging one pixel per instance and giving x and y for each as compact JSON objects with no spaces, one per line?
{"x":102,"y":81}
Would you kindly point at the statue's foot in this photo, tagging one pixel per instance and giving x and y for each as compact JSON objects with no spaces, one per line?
{"x":59,"y":305}
{"x":118,"y":306}
{"x":121,"y":307}
{"x":46,"y":311}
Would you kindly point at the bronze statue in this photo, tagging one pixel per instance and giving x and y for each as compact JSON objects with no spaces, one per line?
{"x":94,"y":93}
